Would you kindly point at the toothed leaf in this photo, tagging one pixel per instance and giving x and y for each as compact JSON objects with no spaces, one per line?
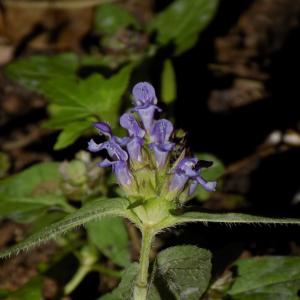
{"x":182,"y":21}
{"x":95,"y":210}
{"x":183,"y":271}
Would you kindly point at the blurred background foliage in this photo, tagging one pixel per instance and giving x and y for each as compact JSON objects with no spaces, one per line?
{"x":223,"y":71}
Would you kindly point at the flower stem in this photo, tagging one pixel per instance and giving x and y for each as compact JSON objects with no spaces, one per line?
{"x":106,"y":271}
{"x":76,"y":279}
{"x":141,"y":285}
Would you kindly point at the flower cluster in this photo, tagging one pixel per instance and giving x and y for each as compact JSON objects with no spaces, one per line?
{"x":145,"y":162}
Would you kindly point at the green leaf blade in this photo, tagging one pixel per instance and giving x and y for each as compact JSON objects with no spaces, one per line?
{"x":94,"y":210}
{"x":168,"y":82}
{"x":32,"y":72}
{"x":182,"y":21}
{"x":109,"y":18}
{"x":76,"y":104}
{"x":268,"y":277}
{"x":111,"y":238}
{"x":125,"y":288}
{"x":34,"y":180}
{"x":185,"y":269}
{"x":71,"y":133}
{"x":108,"y":101}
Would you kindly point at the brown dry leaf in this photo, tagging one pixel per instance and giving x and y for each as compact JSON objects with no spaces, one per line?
{"x":45,"y":28}
{"x":245,"y":51}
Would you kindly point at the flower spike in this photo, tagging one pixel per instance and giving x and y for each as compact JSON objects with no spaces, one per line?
{"x":143,"y":161}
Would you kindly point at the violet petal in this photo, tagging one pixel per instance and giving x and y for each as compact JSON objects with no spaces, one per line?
{"x":146,"y":114}
{"x":210,"y":186}
{"x":161,"y":131}
{"x":121,"y":170}
{"x":129,"y":122}
{"x":134,"y":148}
{"x":178,"y":182}
{"x":94,"y":147}
{"x":144,"y":93}
{"x":103,"y":128}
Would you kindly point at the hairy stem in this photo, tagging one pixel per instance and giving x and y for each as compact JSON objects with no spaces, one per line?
{"x":141,"y":286}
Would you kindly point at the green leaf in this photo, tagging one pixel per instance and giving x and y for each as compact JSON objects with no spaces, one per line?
{"x":31,"y":291}
{"x":110,"y":93}
{"x":75,"y":104}
{"x":168,"y":82}
{"x":39,"y":179}
{"x":96,"y":209}
{"x":227,"y":218}
{"x":265,"y":278}
{"x":109,"y":18}
{"x":94,"y":96}
{"x":30,"y":193}
{"x":26,"y":210}
{"x":182,"y":21}
{"x":125,"y":288}
{"x":71,"y":133}
{"x":62,"y":116}
{"x":111,"y":238}
{"x":185,"y":270}
{"x":34,"y":71}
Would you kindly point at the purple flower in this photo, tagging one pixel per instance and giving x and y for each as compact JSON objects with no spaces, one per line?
{"x":188,"y":168}
{"x":121,"y":170}
{"x":161,"y":131}
{"x":210,"y":186}
{"x":129,"y":122}
{"x":118,"y":155}
{"x":103,"y":128}
{"x":145,"y":100}
{"x":114,"y":150}
{"x":159,"y":137}
{"x":136,"y":133}
{"x":146,"y":114}
{"x":134,"y":148}
{"x":144,"y":94}
{"x":149,"y":139}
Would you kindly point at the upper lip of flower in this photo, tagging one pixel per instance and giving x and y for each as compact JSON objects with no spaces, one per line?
{"x":144,"y":94}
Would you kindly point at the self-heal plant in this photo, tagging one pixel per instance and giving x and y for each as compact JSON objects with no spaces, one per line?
{"x":157,"y":181}
{"x":154,"y":179}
